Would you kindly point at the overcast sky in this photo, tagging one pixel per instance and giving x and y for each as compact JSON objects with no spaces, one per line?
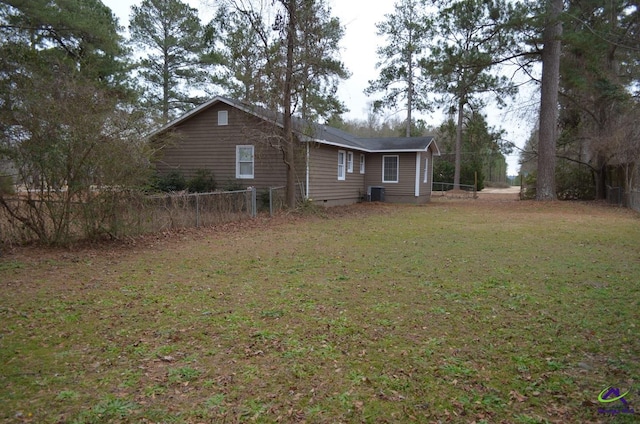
{"x":359,"y":17}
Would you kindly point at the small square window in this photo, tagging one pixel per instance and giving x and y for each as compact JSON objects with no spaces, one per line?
{"x":390,"y":167}
{"x":223,"y":117}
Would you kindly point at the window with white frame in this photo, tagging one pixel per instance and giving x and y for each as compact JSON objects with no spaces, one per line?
{"x":341,"y":164}
{"x":362,"y":163}
{"x":244,"y":162}
{"x":350,"y":162}
{"x":223,"y":117}
{"x":426,"y":170}
{"x":390,"y":167}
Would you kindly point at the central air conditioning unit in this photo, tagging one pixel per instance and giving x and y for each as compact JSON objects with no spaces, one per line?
{"x":375,"y":194}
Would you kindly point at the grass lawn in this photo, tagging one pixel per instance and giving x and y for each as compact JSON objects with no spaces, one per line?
{"x":458,"y":311}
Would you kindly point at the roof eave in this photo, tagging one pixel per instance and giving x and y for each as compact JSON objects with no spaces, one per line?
{"x":362,"y":149}
{"x":207,"y":105}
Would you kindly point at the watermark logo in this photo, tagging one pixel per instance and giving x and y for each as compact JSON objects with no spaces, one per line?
{"x":613,"y":394}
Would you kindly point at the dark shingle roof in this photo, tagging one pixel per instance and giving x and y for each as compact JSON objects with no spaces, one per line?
{"x":323,"y":134}
{"x":334,"y":136}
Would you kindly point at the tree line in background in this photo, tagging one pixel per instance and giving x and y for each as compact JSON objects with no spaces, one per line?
{"x":77,"y":97}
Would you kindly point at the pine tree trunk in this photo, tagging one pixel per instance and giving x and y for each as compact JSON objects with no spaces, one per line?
{"x":546,"y":179}
{"x":458,"y":158}
{"x":287,"y":121}
{"x":409,"y":98}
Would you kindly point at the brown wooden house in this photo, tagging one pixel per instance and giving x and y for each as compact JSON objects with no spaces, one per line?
{"x":241,"y":143}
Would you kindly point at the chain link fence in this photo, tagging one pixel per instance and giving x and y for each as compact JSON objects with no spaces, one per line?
{"x":634,"y":200}
{"x":441,"y":189}
{"x":157,"y":213}
{"x":123,"y":214}
{"x":614,"y":195}
{"x":617,"y":196}
{"x":277,"y":199}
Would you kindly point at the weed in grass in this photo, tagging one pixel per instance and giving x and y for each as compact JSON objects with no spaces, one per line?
{"x":553,"y":365}
{"x":130,"y":378}
{"x":11,"y":265}
{"x":154,"y":390}
{"x":314,"y":411}
{"x":139,"y":350}
{"x":356,"y":377}
{"x":278,"y":313}
{"x":526,"y":419}
{"x":439,"y":310}
{"x":183,"y":374}
{"x":67,"y":395}
{"x":112,"y":407}
{"x":303,"y":371}
{"x":162,"y":416}
{"x":456,"y":368}
{"x":252,"y":409}
{"x":493,"y":402}
{"x":165,"y":350}
{"x":385,"y":322}
{"x":215,"y":401}
{"x":265,"y":335}
{"x":109,"y":409}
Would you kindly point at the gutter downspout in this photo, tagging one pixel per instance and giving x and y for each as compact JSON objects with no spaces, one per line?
{"x":417,"y":189}
{"x":431,"y":172}
{"x":306,"y":192}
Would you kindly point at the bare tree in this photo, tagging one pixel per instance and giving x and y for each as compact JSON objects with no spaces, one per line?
{"x":299,"y":47}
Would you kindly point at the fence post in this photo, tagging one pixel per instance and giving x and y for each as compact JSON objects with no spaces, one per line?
{"x":270,"y":201}
{"x":254,"y":202}
{"x":197,"y":210}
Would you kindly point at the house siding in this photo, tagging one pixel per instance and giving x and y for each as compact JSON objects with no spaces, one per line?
{"x":200,"y":143}
{"x":324,"y":186}
{"x":405,"y":189}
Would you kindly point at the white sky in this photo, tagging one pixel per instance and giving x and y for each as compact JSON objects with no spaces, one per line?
{"x":359,"y":43}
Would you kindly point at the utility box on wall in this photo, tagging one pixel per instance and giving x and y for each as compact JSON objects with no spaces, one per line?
{"x":376,"y":194}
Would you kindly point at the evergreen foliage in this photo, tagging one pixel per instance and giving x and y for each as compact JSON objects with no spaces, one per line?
{"x":401,"y":81}
{"x":170,"y":37}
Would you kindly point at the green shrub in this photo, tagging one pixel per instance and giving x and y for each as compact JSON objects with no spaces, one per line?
{"x":173,"y":181}
{"x":234,"y":185}
{"x":529,"y":186}
{"x":574,"y":182}
{"x":202,"y":182}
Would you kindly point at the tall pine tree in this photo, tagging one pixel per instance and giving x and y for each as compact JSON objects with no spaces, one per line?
{"x":468,"y":38}
{"x":400,"y":78}
{"x":170,"y":38}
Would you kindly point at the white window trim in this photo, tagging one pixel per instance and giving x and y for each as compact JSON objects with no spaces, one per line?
{"x":426,"y":170}
{"x":342,"y":158}
{"x":362,"y":164}
{"x":397,"y":168}
{"x":350,"y":162}
{"x":253,"y":164}
{"x":223,"y":117}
